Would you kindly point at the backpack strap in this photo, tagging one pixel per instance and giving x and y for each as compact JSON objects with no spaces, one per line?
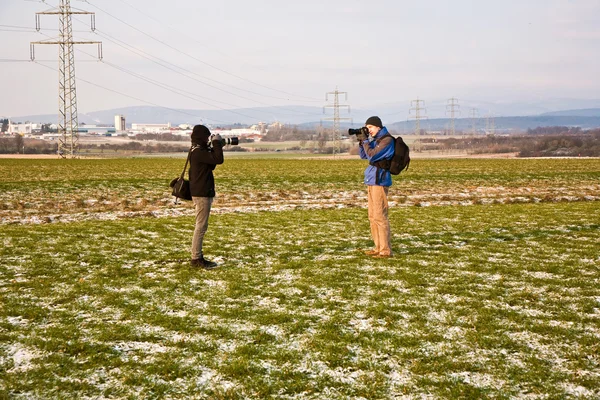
{"x":384,"y":136}
{"x":382,"y":164}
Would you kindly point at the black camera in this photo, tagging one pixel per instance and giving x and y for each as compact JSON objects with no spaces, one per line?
{"x":359,"y":131}
{"x":225,"y":141}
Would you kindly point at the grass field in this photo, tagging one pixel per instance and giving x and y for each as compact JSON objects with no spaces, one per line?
{"x":494,"y":291}
{"x":33,"y":191}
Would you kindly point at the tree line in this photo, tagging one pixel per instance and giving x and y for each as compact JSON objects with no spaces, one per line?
{"x":557,"y":141}
{"x":538,"y":142}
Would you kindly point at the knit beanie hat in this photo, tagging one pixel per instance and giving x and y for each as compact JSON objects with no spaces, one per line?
{"x":375,"y":121}
{"x":200,"y":134}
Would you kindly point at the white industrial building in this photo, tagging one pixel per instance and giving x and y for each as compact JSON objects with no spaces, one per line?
{"x":238,"y":132}
{"x":24,"y":129}
{"x":151,"y":128}
{"x":120,"y":123}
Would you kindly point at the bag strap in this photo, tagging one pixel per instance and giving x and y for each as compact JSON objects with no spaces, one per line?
{"x":188,"y":159}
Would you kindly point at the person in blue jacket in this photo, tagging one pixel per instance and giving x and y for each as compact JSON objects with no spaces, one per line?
{"x":378,"y":146}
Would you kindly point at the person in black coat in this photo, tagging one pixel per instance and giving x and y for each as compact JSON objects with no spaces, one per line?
{"x":203,"y":160}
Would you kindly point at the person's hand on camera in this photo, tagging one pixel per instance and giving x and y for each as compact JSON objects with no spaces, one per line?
{"x":216,"y":137}
{"x":361,"y":137}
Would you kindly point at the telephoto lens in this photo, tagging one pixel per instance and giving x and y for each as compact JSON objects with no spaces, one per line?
{"x":232,"y":141}
{"x":358,"y":131}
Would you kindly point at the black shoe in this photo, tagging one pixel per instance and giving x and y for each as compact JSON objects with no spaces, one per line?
{"x":203,"y":263}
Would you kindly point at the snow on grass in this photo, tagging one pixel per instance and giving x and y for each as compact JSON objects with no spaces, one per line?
{"x":112,"y":191}
{"x":21,"y":357}
{"x":496,"y":301}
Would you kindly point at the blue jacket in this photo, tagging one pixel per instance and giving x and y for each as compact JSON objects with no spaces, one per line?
{"x":370,"y":150}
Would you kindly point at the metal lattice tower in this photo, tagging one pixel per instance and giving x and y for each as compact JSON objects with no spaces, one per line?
{"x":68,"y":145}
{"x":474,"y":114}
{"x":490,"y":124}
{"x":454,"y":108}
{"x":336,"y":135}
{"x":417,"y":116}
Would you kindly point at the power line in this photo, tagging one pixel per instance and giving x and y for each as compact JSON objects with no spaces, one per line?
{"x":129,"y":96}
{"x":163,"y":85}
{"x":175,"y":30}
{"x":212,"y":49}
{"x":15,"y":30}
{"x":33,"y":30}
{"x":114,"y":40}
{"x":16,"y":26}
{"x":187,"y":94}
{"x":175,"y":68}
{"x":195,"y":58}
{"x":157,"y":83}
{"x":137,"y":51}
{"x":40,"y":61}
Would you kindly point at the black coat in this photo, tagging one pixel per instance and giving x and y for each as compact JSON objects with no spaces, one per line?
{"x":202,"y":163}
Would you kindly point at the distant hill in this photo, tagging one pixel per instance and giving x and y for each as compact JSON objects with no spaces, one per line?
{"x":293,"y":115}
{"x":501,"y":124}
{"x":586,"y":112}
{"x":156,"y":115}
{"x":310,"y":117}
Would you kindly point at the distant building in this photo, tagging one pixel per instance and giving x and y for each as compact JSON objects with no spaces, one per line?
{"x":238,"y":132}
{"x":24,"y":129}
{"x":151,"y":128}
{"x":276,"y":125}
{"x":120,"y":123}
{"x":261,"y":126}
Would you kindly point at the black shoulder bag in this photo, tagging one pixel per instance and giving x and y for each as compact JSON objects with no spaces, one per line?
{"x":180,"y":185}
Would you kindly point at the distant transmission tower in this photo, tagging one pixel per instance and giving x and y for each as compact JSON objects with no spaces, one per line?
{"x":417,"y":106}
{"x":67,"y":95}
{"x":336,"y":135}
{"x":474,"y":114}
{"x":490,"y":124}
{"x":454,"y":108}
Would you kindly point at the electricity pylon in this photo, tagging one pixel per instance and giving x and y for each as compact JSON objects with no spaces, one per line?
{"x":474,"y":115}
{"x":453,"y":107}
{"x":336,"y":136}
{"x":490,"y":124}
{"x":418,"y":116}
{"x":67,"y":95}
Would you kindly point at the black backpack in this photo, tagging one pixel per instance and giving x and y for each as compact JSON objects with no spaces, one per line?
{"x":400,"y":160}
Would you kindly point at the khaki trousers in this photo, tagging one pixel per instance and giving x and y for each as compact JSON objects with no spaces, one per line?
{"x":202,"y":212}
{"x":378,"y":218}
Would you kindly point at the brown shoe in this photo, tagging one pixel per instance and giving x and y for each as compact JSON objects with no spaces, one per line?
{"x":383,"y":256}
{"x":371,"y":252}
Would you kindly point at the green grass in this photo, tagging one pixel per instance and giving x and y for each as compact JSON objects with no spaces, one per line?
{"x":486,"y":301}
{"x":33,"y":190}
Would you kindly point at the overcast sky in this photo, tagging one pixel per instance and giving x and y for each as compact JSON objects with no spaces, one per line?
{"x":237,"y":53}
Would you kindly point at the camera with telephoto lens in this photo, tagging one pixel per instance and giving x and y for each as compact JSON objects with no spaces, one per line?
{"x":225,"y":141}
{"x":360,"y":131}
